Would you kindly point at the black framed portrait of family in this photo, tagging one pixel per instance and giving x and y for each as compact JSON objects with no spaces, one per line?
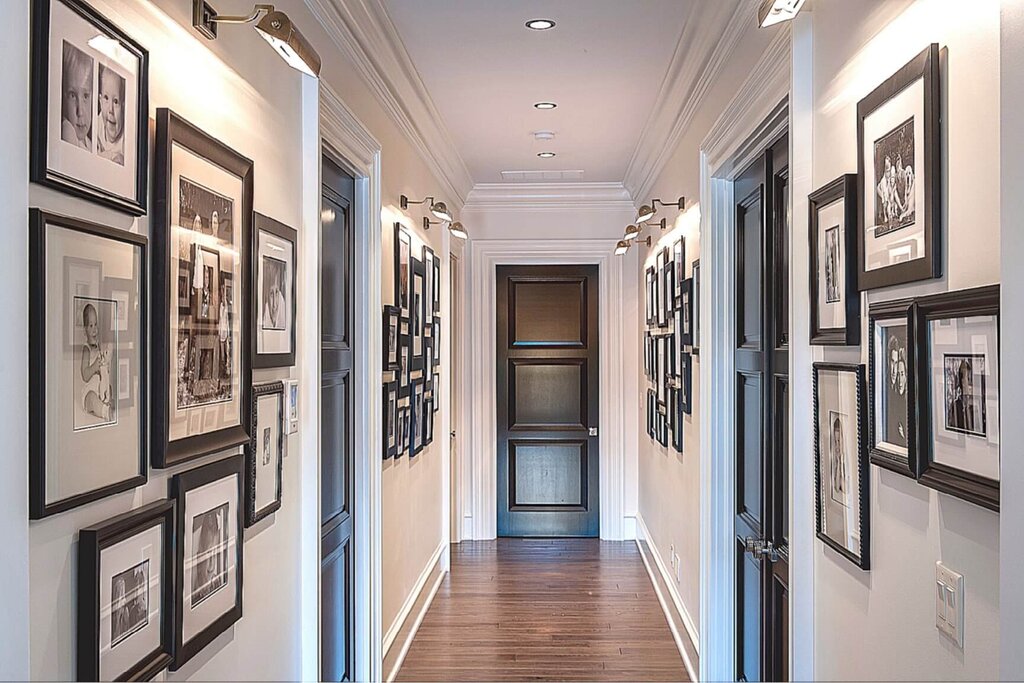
{"x":273,"y":293}
{"x":891,"y":386}
{"x":90,"y":106}
{"x":264,"y":454}
{"x":835,"y":299}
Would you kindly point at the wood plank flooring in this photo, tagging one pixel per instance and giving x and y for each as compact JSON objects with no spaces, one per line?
{"x":544,"y":610}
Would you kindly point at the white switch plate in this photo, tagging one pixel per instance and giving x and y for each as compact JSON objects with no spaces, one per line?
{"x":949,"y":603}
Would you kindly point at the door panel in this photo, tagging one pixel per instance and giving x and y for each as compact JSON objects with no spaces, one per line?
{"x":547,"y":400}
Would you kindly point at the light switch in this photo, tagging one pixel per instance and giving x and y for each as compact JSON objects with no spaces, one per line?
{"x":949,"y":601}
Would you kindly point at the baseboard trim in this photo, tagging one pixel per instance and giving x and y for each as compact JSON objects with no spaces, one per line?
{"x":399,"y":636}
{"x":684,"y":632}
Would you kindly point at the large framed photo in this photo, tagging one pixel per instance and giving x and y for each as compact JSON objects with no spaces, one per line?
{"x":835,"y":300}
{"x":956,"y":335}
{"x":403,"y":274}
{"x":264,"y":455}
{"x":90,"y":106}
{"x":840,"y":461}
{"x":126,"y":594}
{"x":202,"y":227}
{"x":891,"y":387}
{"x":274,"y":294}
{"x":208,"y":560}
{"x":899,"y":164}
{"x":87,"y":361}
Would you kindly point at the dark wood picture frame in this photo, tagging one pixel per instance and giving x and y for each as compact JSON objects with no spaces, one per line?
{"x":428,"y":257}
{"x":844,"y":187}
{"x":907,"y":466}
{"x":695,"y":326}
{"x":171,"y":130}
{"x":664,"y":305}
{"x":266,"y":224}
{"x":38,"y":281}
{"x":401,"y":294}
{"x":863,"y":499}
{"x":416,"y":319}
{"x":924,"y":66}
{"x":392,"y":317}
{"x":436,"y":289}
{"x":686,"y":384}
{"x":675,"y":409}
{"x":650,"y":301}
{"x":978,"y":301}
{"x":416,"y":417}
{"x":180,"y":485}
{"x":390,"y":417}
{"x":404,"y":372}
{"x":92,"y":541}
{"x":252,"y":515}
{"x":39,"y":171}
{"x":686,"y":312}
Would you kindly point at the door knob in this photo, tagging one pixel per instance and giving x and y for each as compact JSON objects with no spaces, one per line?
{"x":592,"y":431}
{"x":758,"y":547}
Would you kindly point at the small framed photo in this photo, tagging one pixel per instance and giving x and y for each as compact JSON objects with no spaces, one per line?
{"x":402,"y":426}
{"x":663,"y":305}
{"x":835,"y":299}
{"x":437,"y":391}
{"x":291,"y":401}
{"x":957,"y":364}
{"x":675,"y":410}
{"x":899,"y":164}
{"x":428,"y":420}
{"x":679,"y":260}
{"x":417,"y":321}
{"x":402,"y":266}
{"x":87,"y":360}
{"x":437,"y":341}
{"x":840,"y":461}
{"x":891,"y":387}
{"x":651,"y":410}
{"x":209,"y":555}
{"x":437,"y":288}
{"x":390,"y":418}
{"x":416,"y":418}
{"x":274,"y":290}
{"x":90,"y":106}
{"x":686,"y":383}
{"x":391,"y":339}
{"x":404,"y":353}
{"x":685,"y":318}
{"x":125,"y":595}
{"x":695,"y":342}
{"x":428,"y":257}
{"x":264,"y":455}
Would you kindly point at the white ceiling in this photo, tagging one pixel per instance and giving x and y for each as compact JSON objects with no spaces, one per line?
{"x":603,"y":64}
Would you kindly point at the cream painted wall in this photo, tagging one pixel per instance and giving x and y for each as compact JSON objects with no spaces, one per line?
{"x":881,"y":624}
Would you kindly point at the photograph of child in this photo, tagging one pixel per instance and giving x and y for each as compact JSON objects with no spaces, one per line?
{"x":275,"y":306}
{"x":110,"y":115}
{"x":97,"y":363}
{"x":209,"y":559}
{"x":76,"y":97}
{"x":129,"y":609}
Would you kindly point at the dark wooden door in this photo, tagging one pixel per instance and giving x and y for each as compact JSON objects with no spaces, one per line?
{"x":547,"y":353}
{"x":762,"y":416}
{"x":336,"y":418}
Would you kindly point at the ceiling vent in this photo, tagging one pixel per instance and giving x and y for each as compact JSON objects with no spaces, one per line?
{"x":540,"y":176}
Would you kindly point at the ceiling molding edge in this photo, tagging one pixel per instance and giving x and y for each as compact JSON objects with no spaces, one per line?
{"x":365,"y":34}
{"x":548,"y":197}
{"x":699,"y":58}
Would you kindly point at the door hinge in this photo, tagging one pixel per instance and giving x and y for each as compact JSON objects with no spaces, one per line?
{"x":758,"y":547}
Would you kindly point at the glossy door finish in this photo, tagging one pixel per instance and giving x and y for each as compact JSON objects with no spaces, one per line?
{"x":336,"y":419}
{"x":547,"y":355}
{"x":762,"y":416}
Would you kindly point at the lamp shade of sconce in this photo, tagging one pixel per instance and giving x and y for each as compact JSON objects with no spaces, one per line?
{"x":621,"y":247}
{"x":645,"y":214}
{"x":632,"y":231}
{"x":278,"y":30}
{"x":440,"y":209}
{"x":773,"y":12}
{"x":458,"y":230}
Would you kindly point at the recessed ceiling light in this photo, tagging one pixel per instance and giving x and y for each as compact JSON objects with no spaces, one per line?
{"x":546,"y":155}
{"x":545,"y":105}
{"x":540,"y":24}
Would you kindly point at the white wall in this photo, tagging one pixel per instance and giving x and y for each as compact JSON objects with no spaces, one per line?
{"x":881,"y":624}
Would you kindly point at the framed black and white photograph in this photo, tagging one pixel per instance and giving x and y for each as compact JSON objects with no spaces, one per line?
{"x":891,"y":387}
{"x":686,"y":383}
{"x":437,"y":392}
{"x":840,"y":461}
{"x":201,"y":359}
{"x":427,"y":424}
{"x":391,"y":338}
{"x":390,"y":420}
{"x":125,"y":595}
{"x":436,"y":336}
{"x":956,"y":339}
{"x":662,"y":304}
{"x":835,"y":299}
{"x":416,"y":417}
{"x":679,"y":259}
{"x":685,"y":318}
{"x":650,"y":299}
{"x":404,"y":372}
{"x":650,"y":412}
{"x":87,"y":360}
{"x":675,"y":410}
{"x":264,"y":455}
{"x":428,"y":288}
{"x":417,"y":322}
{"x":695,"y":336}
{"x":90,"y":106}
{"x":899,"y":163}
{"x":403,"y":431}
{"x":436,"y":289}
{"x":274,"y":294}
{"x":403,"y":272}
{"x":209,"y":555}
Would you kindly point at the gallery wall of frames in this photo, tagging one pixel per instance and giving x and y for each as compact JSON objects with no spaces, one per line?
{"x":162,"y":342}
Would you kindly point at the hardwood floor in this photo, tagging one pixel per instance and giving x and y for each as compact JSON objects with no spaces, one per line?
{"x":544,"y":610}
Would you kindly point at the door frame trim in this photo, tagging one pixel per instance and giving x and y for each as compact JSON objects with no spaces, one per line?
{"x":350,"y":142}
{"x":479,"y":412}
{"x":756,"y":117}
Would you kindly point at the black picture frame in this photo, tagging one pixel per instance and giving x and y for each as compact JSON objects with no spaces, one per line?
{"x":92,"y":540}
{"x":267,"y":224}
{"x":675,"y":410}
{"x":390,"y":416}
{"x":436,"y":336}
{"x":863,"y":560}
{"x":39,"y":171}
{"x":436,"y":289}
{"x":391,"y":320}
{"x":402,"y":427}
{"x":686,"y":312}
{"x":404,"y":372}
{"x":401,"y":290}
{"x":978,"y":301}
{"x":695,"y":276}
{"x":679,"y":267}
{"x":180,"y":485}
{"x":428,"y":257}
{"x":661,"y":286}
{"x":686,"y":384}
{"x":172,"y":130}
{"x":415,"y":418}
{"x":650,"y":300}
{"x":908,"y":466}
{"x":845,"y":188}
{"x":38,"y":281}
{"x":924,"y":66}
{"x":416,"y":319}
{"x":252,"y":515}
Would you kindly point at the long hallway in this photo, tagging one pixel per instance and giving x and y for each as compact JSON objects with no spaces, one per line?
{"x":545,"y":609}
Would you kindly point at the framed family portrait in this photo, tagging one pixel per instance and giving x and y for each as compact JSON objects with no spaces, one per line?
{"x":391,"y":338}
{"x":390,"y":420}
{"x":202,"y":229}
{"x":840,"y":461}
{"x":126,"y":595}
{"x":264,"y":455}
{"x":274,"y":293}
{"x":835,"y":299}
{"x":208,"y":557}
{"x":957,"y":365}
{"x":891,"y":387}
{"x":899,"y":164}
{"x":90,"y":106}
{"x":402,"y":264}
{"x":87,"y":360}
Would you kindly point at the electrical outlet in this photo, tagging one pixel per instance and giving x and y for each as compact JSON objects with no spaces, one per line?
{"x":949,"y":603}
{"x":679,"y":570}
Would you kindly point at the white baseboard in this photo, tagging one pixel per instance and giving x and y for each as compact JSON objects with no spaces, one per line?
{"x":433,"y":569}
{"x":671,"y":604}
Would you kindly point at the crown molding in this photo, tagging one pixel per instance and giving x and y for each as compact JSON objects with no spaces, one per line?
{"x":547,"y":197}
{"x":707,"y":41}
{"x":365,"y":34}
